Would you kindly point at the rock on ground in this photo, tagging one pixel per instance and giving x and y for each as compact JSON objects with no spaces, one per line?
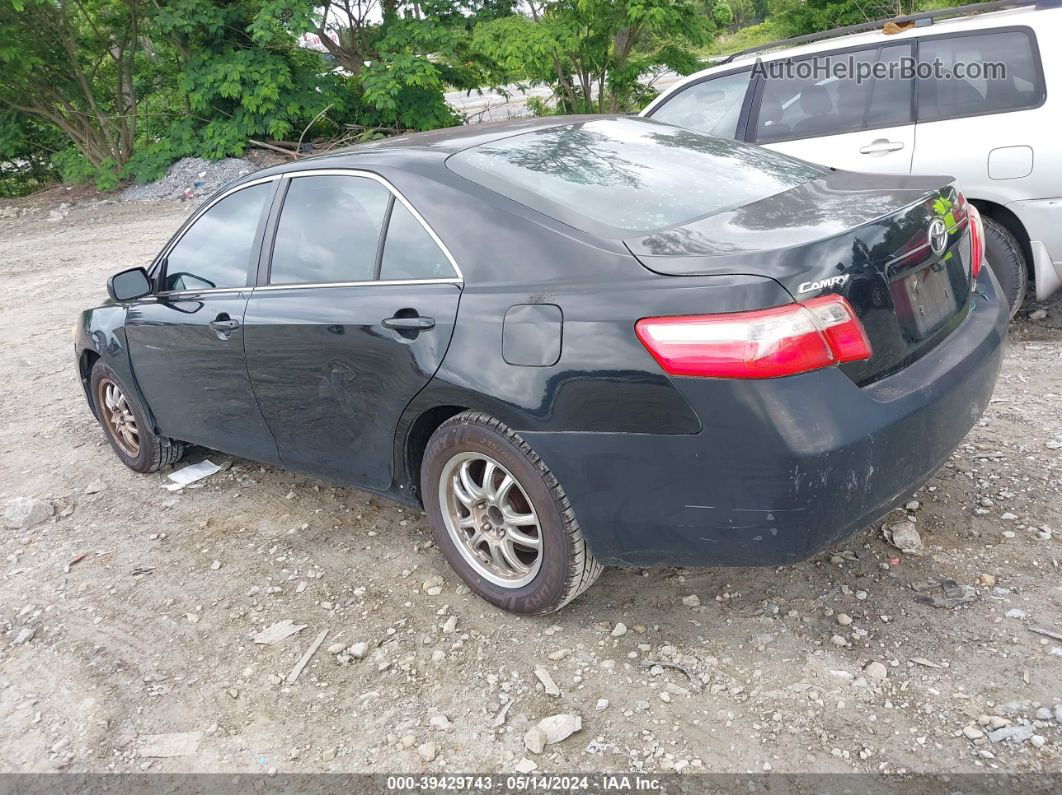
{"x":190,"y":177}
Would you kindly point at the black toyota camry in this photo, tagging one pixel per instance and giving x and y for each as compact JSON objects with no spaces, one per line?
{"x":576,"y":342}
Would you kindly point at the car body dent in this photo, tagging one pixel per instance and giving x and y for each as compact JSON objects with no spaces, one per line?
{"x":102,"y":331}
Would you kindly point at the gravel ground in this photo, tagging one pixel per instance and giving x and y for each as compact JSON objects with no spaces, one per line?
{"x":128,"y":615}
{"x":189,"y":178}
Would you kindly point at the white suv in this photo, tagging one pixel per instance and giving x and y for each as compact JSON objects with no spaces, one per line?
{"x":1000,"y":135}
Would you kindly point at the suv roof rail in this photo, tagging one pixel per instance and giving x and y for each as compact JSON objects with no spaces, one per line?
{"x":920,"y":19}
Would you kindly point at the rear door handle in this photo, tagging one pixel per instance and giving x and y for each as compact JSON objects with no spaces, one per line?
{"x":881,"y":146}
{"x":224,"y":324}
{"x":415,"y":323}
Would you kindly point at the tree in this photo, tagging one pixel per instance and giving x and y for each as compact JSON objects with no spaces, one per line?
{"x":401,"y":55}
{"x":798,"y":17}
{"x":592,"y":52}
{"x":72,"y":65}
{"x":723,"y":14}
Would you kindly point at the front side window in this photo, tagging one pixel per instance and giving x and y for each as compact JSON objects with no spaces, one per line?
{"x":410,"y":252}
{"x":329,"y":230}
{"x":712,"y":107}
{"x":829,"y":98}
{"x":615,"y":177}
{"x":976,"y":74}
{"x":215,"y":251}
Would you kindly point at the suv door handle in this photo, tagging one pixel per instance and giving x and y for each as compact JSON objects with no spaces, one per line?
{"x":881,"y":146}
{"x":415,"y":323}
{"x":224,"y":323}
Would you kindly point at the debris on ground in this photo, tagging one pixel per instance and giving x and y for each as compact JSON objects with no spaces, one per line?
{"x":190,"y":178}
{"x":306,"y":657}
{"x":943,"y":592}
{"x":551,"y":730}
{"x":1046,"y":632}
{"x":667,"y":664}
{"x":23,"y":512}
{"x":277,"y":632}
{"x":190,"y":474}
{"x":927,"y":663}
{"x":904,"y":536}
{"x":547,"y":682}
{"x":1014,"y":734}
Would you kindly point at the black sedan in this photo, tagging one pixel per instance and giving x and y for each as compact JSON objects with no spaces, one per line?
{"x":576,"y":342}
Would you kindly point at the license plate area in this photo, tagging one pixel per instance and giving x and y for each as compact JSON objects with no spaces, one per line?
{"x":925,"y":300}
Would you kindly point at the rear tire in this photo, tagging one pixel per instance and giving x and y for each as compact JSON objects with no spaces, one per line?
{"x":501,"y":519}
{"x":1007,"y":261}
{"x":125,"y":424}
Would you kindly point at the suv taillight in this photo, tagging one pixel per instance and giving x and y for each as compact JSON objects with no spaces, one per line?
{"x":765,"y":343}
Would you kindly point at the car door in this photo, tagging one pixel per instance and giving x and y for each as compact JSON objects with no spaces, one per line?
{"x":186,"y":339}
{"x":981,"y":114}
{"x":820,"y":110}
{"x":353,"y":315}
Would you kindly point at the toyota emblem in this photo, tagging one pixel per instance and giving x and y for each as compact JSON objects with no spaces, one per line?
{"x":938,"y":236}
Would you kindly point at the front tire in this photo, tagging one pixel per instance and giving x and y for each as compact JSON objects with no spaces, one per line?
{"x":501,"y":519}
{"x":1007,"y":261}
{"x":125,"y":424}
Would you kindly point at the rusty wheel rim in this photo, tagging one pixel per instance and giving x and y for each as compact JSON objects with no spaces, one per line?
{"x":118,"y":417}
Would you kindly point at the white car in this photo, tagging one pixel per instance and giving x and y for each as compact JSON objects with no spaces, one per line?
{"x":997,"y":131}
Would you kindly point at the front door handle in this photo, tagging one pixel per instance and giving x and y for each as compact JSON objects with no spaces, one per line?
{"x":415,"y":323}
{"x":223,"y":325}
{"x":881,"y":146}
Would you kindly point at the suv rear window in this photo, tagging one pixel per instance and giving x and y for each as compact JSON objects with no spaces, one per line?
{"x":615,"y":176}
{"x":1013,"y":81}
{"x":813,"y":106}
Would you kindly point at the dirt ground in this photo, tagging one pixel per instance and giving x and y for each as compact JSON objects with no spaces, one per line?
{"x":830,"y":665}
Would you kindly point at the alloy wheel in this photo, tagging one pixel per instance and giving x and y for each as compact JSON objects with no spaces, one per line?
{"x":118,"y":417}
{"x":490,"y":519}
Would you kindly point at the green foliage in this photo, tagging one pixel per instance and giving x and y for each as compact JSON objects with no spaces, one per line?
{"x":796,"y":17}
{"x":743,"y":38}
{"x":26,"y":148}
{"x":723,"y":14}
{"x":72,"y":166}
{"x":592,"y":52}
{"x":107,"y":90}
{"x":70,"y":64}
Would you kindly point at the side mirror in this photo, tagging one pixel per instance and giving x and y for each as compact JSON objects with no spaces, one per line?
{"x":129,"y":285}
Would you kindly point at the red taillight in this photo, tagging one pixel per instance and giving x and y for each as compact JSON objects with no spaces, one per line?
{"x":977,"y":240}
{"x":765,"y":343}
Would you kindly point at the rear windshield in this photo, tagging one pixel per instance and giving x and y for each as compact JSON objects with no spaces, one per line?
{"x":617,"y":176}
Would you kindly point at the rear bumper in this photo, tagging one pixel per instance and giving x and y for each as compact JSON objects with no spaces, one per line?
{"x":784,"y":467}
{"x":1042,"y":219}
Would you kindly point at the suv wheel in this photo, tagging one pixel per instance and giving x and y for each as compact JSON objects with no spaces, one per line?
{"x":125,"y":425}
{"x":501,"y":519}
{"x":1007,"y":261}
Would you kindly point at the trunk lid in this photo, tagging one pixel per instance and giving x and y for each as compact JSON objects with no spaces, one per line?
{"x":866,"y":237}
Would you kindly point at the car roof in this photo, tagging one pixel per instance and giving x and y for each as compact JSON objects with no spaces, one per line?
{"x":441,"y":143}
{"x":1025,"y":15}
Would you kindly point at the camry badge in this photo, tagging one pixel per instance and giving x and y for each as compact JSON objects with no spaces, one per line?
{"x":822,"y":284}
{"x":938,"y":236}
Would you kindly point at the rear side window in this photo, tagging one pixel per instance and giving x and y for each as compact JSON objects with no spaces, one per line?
{"x":712,"y":107}
{"x":215,"y":251}
{"x":410,"y":252}
{"x":979,"y":73}
{"x":613,"y":177}
{"x":329,"y":230}
{"x":823,"y":100}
